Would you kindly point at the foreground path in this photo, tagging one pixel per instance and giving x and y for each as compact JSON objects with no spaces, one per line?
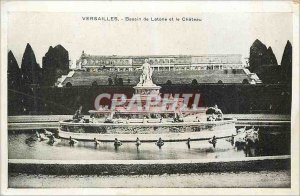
{"x":262,"y":179}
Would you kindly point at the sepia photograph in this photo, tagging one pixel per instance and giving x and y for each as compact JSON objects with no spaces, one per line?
{"x":152,"y":95}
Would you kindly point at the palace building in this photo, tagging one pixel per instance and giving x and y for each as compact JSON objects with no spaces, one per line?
{"x":170,"y":62}
{"x":171,"y":69}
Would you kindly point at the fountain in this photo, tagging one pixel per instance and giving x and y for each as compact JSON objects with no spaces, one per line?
{"x":149,"y":117}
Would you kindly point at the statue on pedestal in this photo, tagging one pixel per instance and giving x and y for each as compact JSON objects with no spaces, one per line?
{"x":146,"y":77}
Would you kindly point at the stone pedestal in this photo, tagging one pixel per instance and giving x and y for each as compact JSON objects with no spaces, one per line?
{"x":147,"y":90}
{"x":147,"y":87}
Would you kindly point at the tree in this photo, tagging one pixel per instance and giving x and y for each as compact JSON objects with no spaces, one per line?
{"x":271,"y":57}
{"x":14,"y":84}
{"x":286,"y":62}
{"x":263,"y":62}
{"x":31,"y":71}
{"x":31,"y":78}
{"x":257,"y":55}
{"x":14,"y":75}
{"x":55,"y":64}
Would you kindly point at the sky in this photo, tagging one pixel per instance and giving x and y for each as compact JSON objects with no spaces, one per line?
{"x":216,"y":33}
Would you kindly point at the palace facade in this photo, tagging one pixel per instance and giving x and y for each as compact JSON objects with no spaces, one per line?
{"x":95,"y":63}
{"x":94,"y":70}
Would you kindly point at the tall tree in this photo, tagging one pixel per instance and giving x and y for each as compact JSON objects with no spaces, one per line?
{"x":14,"y":84}
{"x":55,"y":64}
{"x":271,"y":57}
{"x":14,"y":75}
{"x":258,"y":56}
{"x":286,"y":62}
{"x":31,"y":70}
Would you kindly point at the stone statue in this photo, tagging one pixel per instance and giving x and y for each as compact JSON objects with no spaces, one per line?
{"x":146,"y":76}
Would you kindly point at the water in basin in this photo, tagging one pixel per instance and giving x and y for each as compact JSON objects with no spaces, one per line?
{"x":270,"y":144}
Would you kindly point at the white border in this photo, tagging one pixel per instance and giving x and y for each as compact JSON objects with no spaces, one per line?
{"x":164,"y":6}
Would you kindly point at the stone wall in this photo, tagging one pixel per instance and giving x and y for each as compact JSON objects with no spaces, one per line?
{"x":148,"y":167}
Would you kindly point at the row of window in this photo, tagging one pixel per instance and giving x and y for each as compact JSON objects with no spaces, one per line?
{"x":160,"y":61}
{"x":174,"y":60}
{"x":134,"y":61}
{"x":160,"y":64}
{"x":221,"y":59}
{"x":209,"y":67}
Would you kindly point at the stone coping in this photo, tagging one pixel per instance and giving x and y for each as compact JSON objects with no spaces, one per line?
{"x":147,"y":167}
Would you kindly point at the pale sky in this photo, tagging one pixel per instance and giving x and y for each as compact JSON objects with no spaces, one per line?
{"x":217,"y":33}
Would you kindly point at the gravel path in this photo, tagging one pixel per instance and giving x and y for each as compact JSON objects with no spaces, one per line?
{"x":261,"y":179}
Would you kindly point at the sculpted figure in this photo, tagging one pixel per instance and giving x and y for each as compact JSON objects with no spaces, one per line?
{"x":147,"y":72}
